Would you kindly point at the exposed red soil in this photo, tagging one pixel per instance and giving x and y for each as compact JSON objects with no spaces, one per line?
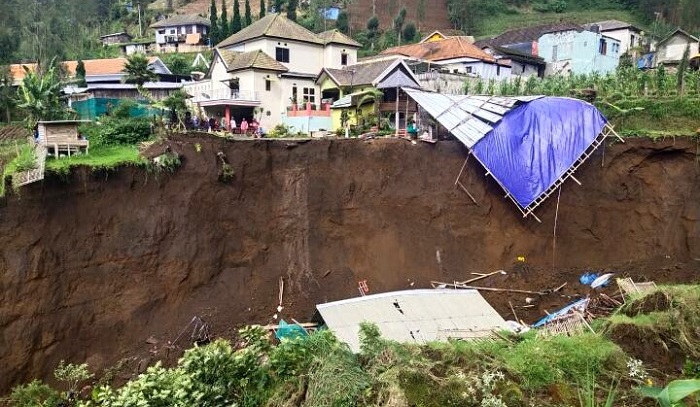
{"x":435,"y":18}
{"x":93,"y":264}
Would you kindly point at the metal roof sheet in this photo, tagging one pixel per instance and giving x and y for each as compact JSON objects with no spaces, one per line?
{"x":468,"y":117}
{"x":413,"y":316}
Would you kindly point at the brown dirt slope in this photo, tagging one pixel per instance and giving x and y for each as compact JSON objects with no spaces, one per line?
{"x":435,"y":13}
{"x":93,"y":264}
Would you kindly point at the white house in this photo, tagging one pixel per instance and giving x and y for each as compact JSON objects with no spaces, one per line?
{"x":270,"y":65}
{"x":182,"y":33}
{"x":630,"y":37}
{"x":669,"y":51}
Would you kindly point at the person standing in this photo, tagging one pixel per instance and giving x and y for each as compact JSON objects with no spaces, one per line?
{"x":233,"y":125}
{"x":244,"y":126}
{"x":224,"y":123}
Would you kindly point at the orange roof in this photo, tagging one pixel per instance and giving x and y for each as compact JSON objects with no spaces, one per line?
{"x":109,"y":66}
{"x":448,"y":48}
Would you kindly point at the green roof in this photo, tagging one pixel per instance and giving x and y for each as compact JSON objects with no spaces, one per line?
{"x":236,"y":61}
{"x":272,"y":25}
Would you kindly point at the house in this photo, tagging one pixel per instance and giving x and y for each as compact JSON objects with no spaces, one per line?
{"x":521,"y":63}
{"x":138,"y":47}
{"x":631,"y":38}
{"x":455,"y":55}
{"x":270,"y":67}
{"x":669,"y":51}
{"x":62,"y":136}
{"x":439,"y":35}
{"x":526,"y":39}
{"x":351,"y":89}
{"x":115,"y":38}
{"x":579,"y":52}
{"x":105,"y":85}
{"x":182,"y":33}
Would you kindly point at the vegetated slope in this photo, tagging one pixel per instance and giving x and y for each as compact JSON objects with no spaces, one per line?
{"x":202,"y":7}
{"x":435,"y":13}
{"x":94,"y":263}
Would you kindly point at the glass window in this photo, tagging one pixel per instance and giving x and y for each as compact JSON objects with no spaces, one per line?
{"x":282,"y":54}
{"x":268,"y":85}
{"x":603,"y":47}
{"x":309,"y":95}
{"x":343,"y":59}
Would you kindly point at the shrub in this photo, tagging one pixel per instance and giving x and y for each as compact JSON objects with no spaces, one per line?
{"x":34,"y":394}
{"x":113,"y":130}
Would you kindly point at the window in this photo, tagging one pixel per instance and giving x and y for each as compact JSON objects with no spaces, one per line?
{"x":173,"y":31}
{"x":468,"y":69}
{"x":161,"y":32}
{"x":455,"y":71}
{"x":616,"y":48}
{"x":498,"y":70}
{"x":555,"y":53}
{"x":603,"y":47}
{"x":309,"y":95}
{"x":268,"y":85}
{"x":188,"y":29}
{"x":294,"y":94}
{"x":282,"y":54}
{"x":343,"y":59}
{"x":632,"y":41}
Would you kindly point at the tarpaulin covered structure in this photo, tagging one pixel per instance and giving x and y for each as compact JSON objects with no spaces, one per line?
{"x":530,"y":145}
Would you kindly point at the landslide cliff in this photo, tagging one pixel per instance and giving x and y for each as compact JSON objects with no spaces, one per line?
{"x":94,"y":263}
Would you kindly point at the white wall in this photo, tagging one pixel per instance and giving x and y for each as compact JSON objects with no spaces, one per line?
{"x":673,"y":49}
{"x":332,"y":55}
{"x":177,"y":30}
{"x":303,"y":57}
{"x":625,"y":36}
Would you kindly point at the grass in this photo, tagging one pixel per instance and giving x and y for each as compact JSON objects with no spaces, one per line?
{"x":100,"y":157}
{"x":499,"y":23}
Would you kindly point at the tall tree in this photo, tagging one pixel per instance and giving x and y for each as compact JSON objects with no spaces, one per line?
{"x":343,"y":22}
{"x":7,"y":92}
{"x":138,"y":71}
{"x":225,"y":30}
{"x":399,"y":21}
{"x":236,"y":24}
{"x":682,"y":68}
{"x":292,"y":9}
{"x":80,"y":73}
{"x":214,"y":28}
{"x":278,"y":5}
{"x":248,"y":17}
{"x":372,"y":30}
{"x":262,"y":9}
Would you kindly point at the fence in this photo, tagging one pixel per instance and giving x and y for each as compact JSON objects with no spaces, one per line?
{"x":93,"y":108}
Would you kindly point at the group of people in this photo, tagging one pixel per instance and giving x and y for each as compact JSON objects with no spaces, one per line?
{"x":220,"y":123}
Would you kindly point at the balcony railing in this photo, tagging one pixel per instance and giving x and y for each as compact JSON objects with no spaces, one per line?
{"x":205,"y":95}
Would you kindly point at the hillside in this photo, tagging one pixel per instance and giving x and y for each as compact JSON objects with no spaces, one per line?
{"x":202,"y":6}
{"x":435,"y":13}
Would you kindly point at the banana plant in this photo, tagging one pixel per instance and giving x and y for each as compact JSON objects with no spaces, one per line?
{"x":674,"y":393}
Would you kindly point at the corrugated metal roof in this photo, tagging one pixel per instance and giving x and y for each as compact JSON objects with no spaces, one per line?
{"x":469,"y":118}
{"x":413,"y":316}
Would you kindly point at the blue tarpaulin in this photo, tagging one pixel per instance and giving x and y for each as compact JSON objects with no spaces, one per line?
{"x":536,"y":143}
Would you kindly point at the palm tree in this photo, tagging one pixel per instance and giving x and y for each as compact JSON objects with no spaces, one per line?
{"x":39,"y":95}
{"x":138,"y":71}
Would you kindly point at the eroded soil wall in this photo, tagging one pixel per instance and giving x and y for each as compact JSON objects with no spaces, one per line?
{"x":93,"y":264}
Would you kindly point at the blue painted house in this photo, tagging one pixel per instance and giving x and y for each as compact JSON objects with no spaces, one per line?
{"x":579,"y":52}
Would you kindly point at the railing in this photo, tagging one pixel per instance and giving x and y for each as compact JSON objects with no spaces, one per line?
{"x":403,"y":106}
{"x":35,"y":174}
{"x":204,"y":95}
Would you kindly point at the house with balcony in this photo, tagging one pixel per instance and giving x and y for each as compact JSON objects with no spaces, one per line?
{"x":369,"y":92}
{"x":182,"y":33}
{"x":268,"y":71}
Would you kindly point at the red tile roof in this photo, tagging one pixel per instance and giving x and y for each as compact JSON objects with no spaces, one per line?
{"x":449,"y":48}
{"x":109,"y":66}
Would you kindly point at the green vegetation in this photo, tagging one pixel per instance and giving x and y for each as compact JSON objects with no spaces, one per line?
{"x":100,"y":157}
{"x":319,"y":370}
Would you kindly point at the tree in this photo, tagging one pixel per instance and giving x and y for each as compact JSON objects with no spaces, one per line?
{"x":80,"y":73}
{"x":292,"y":9}
{"x":177,"y":64}
{"x":409,"y":32}
{"x":7,"y":92}
{"x":682,"y":68}
{"x":262,"y":9}
{"x":421,"y":12}
{"x":372,"y":30}
{"x":248,"y":17}
{"x":236,"y":24}
{"x":39,"y":95}
{"x":224,"y":29}
{"x":138,"y":70}
{"x":373,"y":95}
{"x":214,"y":28}
{"x":278,"y":6}
{"x":343,"y":22}
{"x":399,"y":21}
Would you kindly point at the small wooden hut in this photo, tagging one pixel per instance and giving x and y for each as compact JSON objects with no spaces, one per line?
{"x":62,"y":136}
